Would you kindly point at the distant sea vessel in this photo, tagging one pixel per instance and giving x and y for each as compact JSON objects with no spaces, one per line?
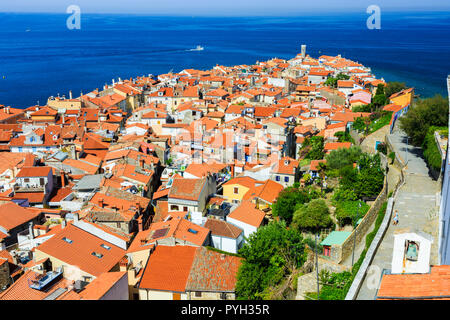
{"x":197,"y":48}
{"x":28,"y":30}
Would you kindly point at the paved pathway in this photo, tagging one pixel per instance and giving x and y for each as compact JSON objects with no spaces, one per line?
{"x":414,"y":201}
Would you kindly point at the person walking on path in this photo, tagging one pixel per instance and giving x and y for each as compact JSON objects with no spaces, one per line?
{"x":395,"y":217}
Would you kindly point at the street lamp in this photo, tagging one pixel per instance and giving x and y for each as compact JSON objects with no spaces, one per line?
{"x":354,"y":237}
{"x":317,"y":265}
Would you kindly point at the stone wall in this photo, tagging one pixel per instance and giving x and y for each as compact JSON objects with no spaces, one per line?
{"x":341,"y":252}
{"x":398,"y":161}
{"x":359,"y":278}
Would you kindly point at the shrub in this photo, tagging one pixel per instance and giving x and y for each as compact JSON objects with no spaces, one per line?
{"x":425,"y":113}
{"x":313,"y":216}
{"x":431,"y":151}
{"x":348,"y":212}
{"x":382,"y":147}
{"x":342,"y":157}
{"x":268,"y":255}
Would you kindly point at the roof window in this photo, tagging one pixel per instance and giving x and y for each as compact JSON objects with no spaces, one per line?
{"x":192,"y":231}
{"x":98,"y":255}
{"x":67,"y":240}
{"x":105,"y":246}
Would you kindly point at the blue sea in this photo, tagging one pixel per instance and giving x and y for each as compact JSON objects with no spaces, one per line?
{"x":40,"y":57}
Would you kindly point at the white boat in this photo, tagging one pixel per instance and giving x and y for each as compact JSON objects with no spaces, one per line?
{"x":198,"y":48}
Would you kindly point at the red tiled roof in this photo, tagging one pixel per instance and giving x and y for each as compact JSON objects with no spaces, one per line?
{"x":168,"y":268}
{"x":79,"y":252}
{"x":222,"y":228}
{"x":96,"y":289}
{"x":188,"y":189}
{"x":13,"y":215}
{"x":247,"y":213}
{"x":20,"y":289}
{"x":34,"y":172}
{"x":433,"y":285}
{"x":213,"y":271}
{"x":268,"y":191}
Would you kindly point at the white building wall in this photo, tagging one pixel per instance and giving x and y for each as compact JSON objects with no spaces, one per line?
{"x":248,"y":229}
{"x":225,"y":244}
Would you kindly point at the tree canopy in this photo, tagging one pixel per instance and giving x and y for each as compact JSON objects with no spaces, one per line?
{"x":332,"y":81}
{"x":270,"y":253}
{"x":339,"y":158}
{"x":423,"y":114}
{"x":316,"y":151}
{"x":313,"y":216}
{"x":393,"y":87}
{"x":286,"y":202}
{"x":364,"y":181}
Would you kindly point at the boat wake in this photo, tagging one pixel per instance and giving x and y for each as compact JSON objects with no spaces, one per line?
{"x":198,"y":48}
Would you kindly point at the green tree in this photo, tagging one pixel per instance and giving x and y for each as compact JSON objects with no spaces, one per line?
{"x":344,"y":136}
{"x":380,"y":89}
{"x":393,"y":87}
{"x":332,"y":81}
{"x":269,"y":255}
{"x":423,"y":114}
{"x":379,"y":100}
{"x":316,"y":148}
{"x":370,"y":179}
{"x":360,"y":124}
{"x":342,"y":157}
{"x":364,"y":108}
{"x":313,"y":216}
{"x":347,"y":211}
{"x":286,"y":202}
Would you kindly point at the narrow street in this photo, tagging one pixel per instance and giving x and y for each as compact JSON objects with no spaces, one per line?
{"x":415,"y":201}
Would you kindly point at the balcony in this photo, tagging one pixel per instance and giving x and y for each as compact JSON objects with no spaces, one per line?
{"x":29,"y":188}
{"x":43,"y":280}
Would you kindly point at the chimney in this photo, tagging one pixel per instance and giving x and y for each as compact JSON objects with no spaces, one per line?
{"x":75,"y":218}
{"x":63,"y":223}
{"x":70,"y":94}
{"x":30,"y":230}
{"x":140,"y":227}
{"x":63,"y":180}
{"x":100,"y":202}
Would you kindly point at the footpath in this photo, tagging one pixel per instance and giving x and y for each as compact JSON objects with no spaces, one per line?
{"x":416,"y":205}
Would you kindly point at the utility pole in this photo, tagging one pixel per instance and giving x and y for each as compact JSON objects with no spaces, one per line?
{"x":317,"y":265}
